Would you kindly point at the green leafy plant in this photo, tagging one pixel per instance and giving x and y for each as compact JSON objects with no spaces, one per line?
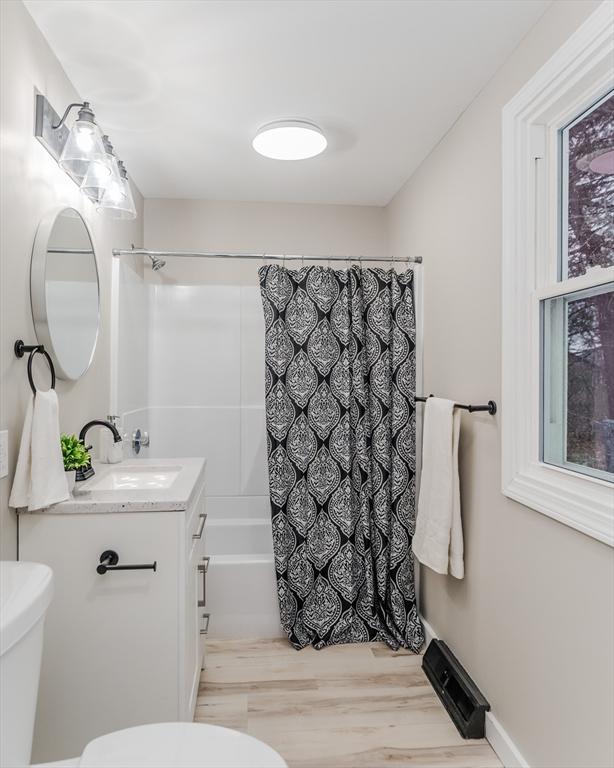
{"x":74,"y":453}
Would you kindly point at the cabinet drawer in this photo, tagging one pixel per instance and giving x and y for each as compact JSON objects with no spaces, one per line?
{"x":195,"y":529}
{"x":196,"y":508}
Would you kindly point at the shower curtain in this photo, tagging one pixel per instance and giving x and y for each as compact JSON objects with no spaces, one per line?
{"x":340,"y":378}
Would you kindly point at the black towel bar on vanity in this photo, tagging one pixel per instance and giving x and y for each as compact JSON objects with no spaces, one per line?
{"x":491,"y":406}
{"x":109,"y":562}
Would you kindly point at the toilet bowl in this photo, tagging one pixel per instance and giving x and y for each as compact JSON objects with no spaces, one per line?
{"x":174,"y":745}
{"x":26,"y":590}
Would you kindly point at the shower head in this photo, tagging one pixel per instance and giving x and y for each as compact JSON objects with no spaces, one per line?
{"x":156,"y":263}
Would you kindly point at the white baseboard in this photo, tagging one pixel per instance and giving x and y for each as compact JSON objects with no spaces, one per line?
{"x":499,"y":740}
{"x":496,"y":735}
{"x":429,"y":633}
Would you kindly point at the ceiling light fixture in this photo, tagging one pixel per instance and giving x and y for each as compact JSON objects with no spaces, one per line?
{"x":289,"y":140}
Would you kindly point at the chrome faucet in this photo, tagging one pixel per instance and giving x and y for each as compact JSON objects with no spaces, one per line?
{"x":84,"y":473}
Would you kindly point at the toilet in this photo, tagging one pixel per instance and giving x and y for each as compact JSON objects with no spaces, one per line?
{"x":174,"y":745}
{"x":26,"y":591}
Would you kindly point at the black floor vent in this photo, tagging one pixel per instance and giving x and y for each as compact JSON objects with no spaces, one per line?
{"x":457,"y":691}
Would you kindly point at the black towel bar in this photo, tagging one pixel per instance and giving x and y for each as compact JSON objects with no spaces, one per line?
{"x":491,"y":406}
{"x":109,"y":560}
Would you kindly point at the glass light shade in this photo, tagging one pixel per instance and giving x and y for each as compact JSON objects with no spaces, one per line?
{"x":289,"y":140}
{"x":83,"y":146}
{"x":118,"y":203}
{"x":102,"y":175}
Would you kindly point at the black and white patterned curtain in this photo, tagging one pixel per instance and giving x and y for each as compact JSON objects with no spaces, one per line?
{"x":340,"y":378}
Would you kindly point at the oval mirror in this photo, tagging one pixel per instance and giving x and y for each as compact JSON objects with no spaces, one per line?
{"x":65,"y":292}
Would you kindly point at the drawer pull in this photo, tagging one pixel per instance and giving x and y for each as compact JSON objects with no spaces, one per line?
{"x":201,"y":527}
{"x":205,"y":629}
{"x":203,"y":568}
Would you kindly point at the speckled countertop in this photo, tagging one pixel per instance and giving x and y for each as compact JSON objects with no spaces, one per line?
{"x":188,"y":478}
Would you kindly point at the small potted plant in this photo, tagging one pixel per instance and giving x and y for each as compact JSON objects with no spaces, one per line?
{"x":75,"y":456}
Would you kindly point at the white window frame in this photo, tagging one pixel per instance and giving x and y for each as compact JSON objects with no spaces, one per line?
{"x":571,"y":81}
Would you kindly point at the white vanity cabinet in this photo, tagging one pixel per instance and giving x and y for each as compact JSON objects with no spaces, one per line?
{"x":126,"y":647}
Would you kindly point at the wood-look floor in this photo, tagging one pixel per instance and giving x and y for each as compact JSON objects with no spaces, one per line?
{"x":360,"y":706}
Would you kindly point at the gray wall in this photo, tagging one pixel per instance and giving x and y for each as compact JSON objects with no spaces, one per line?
{"x":265,"y":227}
{"x":31,"y":185}
{"x":532,"y":620}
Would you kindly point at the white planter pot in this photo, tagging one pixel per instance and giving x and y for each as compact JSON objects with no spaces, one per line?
{"x":71,"y":476}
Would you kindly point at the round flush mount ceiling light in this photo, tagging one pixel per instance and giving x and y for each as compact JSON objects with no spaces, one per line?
{"x":289,"y":140}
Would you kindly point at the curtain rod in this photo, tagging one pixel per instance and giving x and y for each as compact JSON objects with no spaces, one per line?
{"x":261,"y":256}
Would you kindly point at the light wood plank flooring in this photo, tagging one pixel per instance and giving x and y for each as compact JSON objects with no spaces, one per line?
{"x":360,"y":706}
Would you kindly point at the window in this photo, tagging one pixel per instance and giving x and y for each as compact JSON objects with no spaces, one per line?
{"x":558,"y":285}
{"x":578,"y":328}
{"x":587,"y":187}
{"x":578,"y":365}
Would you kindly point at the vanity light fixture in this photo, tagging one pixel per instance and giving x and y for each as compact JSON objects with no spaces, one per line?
{"x":290,"y":140}
{"x":84,"y":144}
{"x":118,"y":203}
{"x":86,"y":155}
{"x":102,"y":177}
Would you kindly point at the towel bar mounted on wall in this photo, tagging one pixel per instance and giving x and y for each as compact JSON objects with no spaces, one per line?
{"x":20,"y":350}
{"x":491,"y":406}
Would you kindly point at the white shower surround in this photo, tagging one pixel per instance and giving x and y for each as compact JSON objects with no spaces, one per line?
{"x":202,"y":349}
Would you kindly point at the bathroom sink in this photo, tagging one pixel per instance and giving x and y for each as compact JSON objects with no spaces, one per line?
{"x":136,"y":485}
{"x":25,"y":593}
{"x":134,"y":479}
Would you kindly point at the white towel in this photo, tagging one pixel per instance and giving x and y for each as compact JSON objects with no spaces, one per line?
{"x":438,"y":540}
{"x":40,"y":479}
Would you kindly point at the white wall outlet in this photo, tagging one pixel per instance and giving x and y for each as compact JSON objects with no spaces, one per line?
{"x":4,"y":453}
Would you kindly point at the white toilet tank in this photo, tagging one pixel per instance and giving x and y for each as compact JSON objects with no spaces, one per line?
{"x":25,"y":593}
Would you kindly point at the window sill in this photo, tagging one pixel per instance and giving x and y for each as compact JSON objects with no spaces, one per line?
{"x":581,"y":502}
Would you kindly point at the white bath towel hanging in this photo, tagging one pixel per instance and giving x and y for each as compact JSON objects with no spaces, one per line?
{"x":40,"y":479}
{"x":438,"y":540}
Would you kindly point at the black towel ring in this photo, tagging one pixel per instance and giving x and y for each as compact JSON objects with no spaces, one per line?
{"x":21,"y":348}
{"x":41,"y":350}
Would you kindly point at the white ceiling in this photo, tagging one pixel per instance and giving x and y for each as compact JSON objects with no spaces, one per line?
{"x":181,"y":86}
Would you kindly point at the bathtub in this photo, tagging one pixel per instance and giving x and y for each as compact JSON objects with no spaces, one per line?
{"x":241,"y":585}
{"x":238,"y":536}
